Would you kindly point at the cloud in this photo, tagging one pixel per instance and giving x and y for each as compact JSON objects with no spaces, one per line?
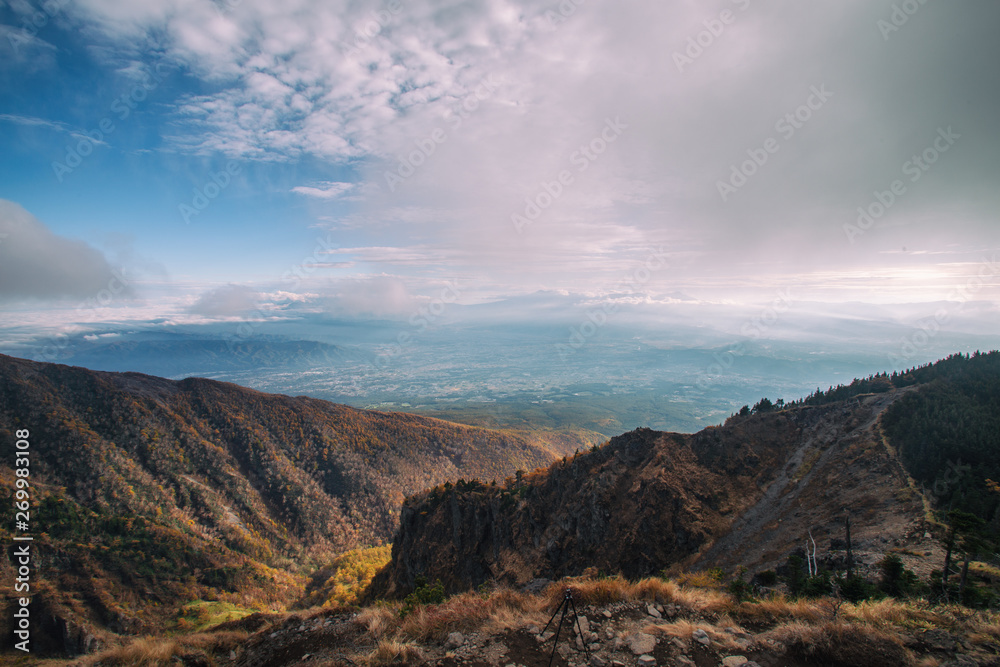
{"x":34,"y":122}
{"x":29,"y":121}
{"x":226,"y":301}
{"x":325,"y":190}
{"x":375,"y":297}
{"x":465,"y":115}
{"x":38,"y":264}
{"x":31,"y":53}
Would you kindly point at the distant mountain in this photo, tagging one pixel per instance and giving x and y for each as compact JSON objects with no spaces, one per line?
{"x":150,"y":492}
{"x":182,"y":355}
{"x":745,"y":493}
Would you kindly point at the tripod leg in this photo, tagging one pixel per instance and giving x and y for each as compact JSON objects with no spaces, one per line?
{"x":555,"y":642}
{"x":579,"y":629}
{"x":553,"y":617}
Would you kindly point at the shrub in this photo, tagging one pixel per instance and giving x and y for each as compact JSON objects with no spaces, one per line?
{"x":766,"y":578}
{"x":423,"y":594}
{"x":739,"y":588}
{"x":897,"y":581}
{"x":856,"y":589}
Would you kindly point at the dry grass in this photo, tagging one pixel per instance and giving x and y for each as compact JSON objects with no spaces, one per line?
{"x":681,"y":629}
{"x":586,"y":591}
{"x":379,"y":620}
{"x":705,"y":600}
{"x":842,"y":643}
{"x":701,"y":579}
{"x":145,"y":651}
{"x":151,"y":651}
{"x":653,"y":589}
{"x":778,"y":607}
{"x":987,"y":630}
{"x":469,"y":611}
{"x":657,"y":590}
{"x":392,"y":652}
{"x":890,"y":613}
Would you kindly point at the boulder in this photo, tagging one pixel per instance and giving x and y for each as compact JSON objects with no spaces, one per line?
{"x":641,"y":643}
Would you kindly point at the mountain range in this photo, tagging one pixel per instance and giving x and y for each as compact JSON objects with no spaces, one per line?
{"x":149,"y":493}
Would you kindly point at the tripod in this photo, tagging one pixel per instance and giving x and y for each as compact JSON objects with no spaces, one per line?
{"x":565,"y":605}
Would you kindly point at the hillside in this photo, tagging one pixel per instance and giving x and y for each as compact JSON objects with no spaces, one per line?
{"x":148,"y":493}
{"x":747,"y":493}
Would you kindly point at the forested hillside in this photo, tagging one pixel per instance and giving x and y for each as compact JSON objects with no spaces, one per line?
{"x":195,"y":488}
{"x":948,"y":432}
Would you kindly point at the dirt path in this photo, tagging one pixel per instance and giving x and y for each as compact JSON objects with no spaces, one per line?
{"x":788,"y":506}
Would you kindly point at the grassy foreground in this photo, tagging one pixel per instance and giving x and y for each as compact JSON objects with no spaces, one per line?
{"x":798,"y":631}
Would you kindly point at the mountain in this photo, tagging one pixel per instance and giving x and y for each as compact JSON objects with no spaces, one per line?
{"x":146,"y":492}
{"x":746,"y":493}
{"x":180,"y":354}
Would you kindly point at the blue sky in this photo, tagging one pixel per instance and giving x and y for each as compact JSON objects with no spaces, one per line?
{"x":846,"y":149}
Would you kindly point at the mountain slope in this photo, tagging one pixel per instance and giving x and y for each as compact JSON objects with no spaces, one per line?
{"x":199,"y":488}
{"x":742,"y":494}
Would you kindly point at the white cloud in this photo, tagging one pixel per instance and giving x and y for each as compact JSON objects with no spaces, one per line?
{"x":226,"y":301}
{"x":325,"y":190}
{"x":31,"y":121}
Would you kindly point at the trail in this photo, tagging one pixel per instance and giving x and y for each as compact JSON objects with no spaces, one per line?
{"x":762,"y":523}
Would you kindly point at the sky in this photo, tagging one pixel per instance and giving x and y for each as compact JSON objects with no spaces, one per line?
{"x":189,"y":161}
